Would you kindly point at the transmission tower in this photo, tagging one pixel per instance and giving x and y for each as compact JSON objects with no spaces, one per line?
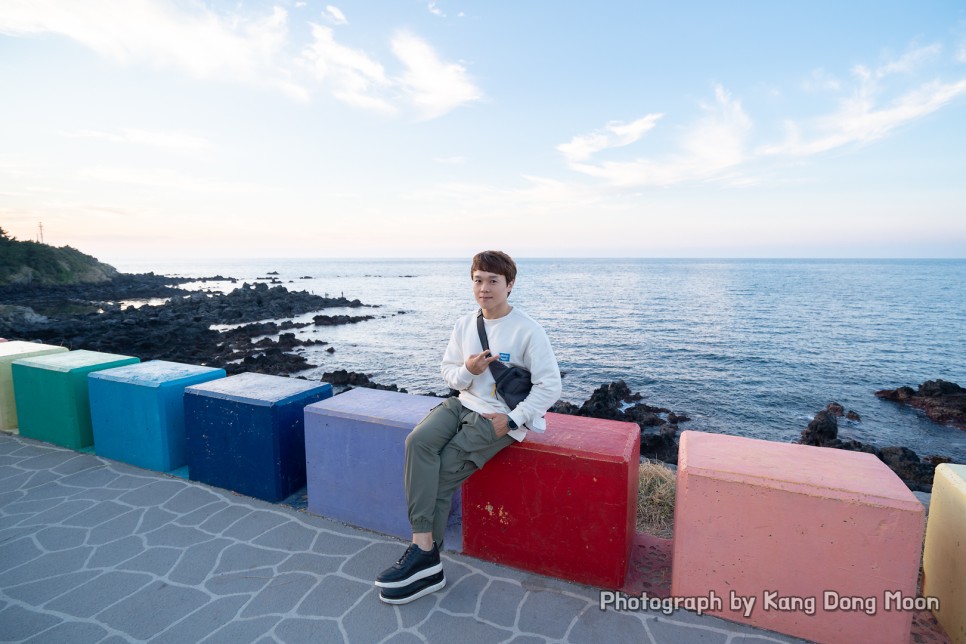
{"x":40,"y":232}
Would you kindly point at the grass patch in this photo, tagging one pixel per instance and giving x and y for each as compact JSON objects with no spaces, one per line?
{"x":655,"y":500}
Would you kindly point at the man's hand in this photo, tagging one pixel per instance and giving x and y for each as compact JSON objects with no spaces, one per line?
{"x":499,"y":423}
{"x":478,"y":362}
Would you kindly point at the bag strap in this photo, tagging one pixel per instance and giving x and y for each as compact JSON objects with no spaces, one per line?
{"x":497,"y":368}
{"x":481,"y":330}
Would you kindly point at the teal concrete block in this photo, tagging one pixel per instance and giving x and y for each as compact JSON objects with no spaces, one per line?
{"x":137,"y":411}
{"x":52,"y":395}
{"x":247,"y":433}
{"x":9,"y":352}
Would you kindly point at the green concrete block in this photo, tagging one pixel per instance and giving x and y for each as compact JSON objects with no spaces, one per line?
{"x":10,"y":351}
{"x":52,"y":398}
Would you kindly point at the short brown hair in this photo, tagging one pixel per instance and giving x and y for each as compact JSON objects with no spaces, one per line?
{"x":494,"y":261}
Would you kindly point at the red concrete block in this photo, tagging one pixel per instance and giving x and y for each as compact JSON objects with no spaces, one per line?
{"x":814,"y":542}
{"x":562,"y":503}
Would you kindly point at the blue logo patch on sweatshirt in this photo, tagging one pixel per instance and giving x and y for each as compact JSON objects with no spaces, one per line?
{"x":504,"y":357}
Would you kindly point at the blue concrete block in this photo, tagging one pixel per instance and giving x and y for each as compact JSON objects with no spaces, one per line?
{"x":247,"y":433}
{"x":354,"y":450}
{"x":137,"y":411}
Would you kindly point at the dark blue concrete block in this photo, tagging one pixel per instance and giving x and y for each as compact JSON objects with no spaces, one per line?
{"x":247,"y":433}
{"x":354,"y":450}
{"x":137,"y":411}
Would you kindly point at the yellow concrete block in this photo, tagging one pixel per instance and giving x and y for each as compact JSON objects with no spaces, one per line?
{"x":10,"y":351}
{"x":944,"y":559}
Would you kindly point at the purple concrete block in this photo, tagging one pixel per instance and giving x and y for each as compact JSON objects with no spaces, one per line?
{"x":354,"y":448}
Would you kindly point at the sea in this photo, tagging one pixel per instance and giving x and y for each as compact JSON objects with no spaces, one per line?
{"x":745,"y":347}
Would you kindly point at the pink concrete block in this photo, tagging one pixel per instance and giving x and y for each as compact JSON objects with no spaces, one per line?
{"x":562,"y":503}
{"x":825,"y":542}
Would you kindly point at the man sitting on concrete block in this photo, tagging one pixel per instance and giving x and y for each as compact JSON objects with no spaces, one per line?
{"x":458,"y":437}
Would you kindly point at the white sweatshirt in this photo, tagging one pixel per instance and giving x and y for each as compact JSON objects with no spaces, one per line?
{"x":519,"y":341}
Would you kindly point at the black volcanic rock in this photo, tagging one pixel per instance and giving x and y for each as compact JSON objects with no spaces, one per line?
{"x":658,"y":435}
{"x":915,"y":472}
{"x":334,"y":320}
{"x":643,"y":417}
{"x":660,"y":443}
{"x":564,"y":407}
{"x":351,"y":379}
{"x":341,"y":378}
{"x":907,"y":464}
{"x":606,"y":401}
{"x":822,"y":430}
{"x":943,"y":402}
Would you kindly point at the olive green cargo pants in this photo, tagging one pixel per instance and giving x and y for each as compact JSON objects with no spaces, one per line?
{"x":448,"y":445}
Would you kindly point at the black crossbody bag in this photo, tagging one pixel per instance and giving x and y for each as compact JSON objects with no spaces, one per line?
{"x":513,"y":384}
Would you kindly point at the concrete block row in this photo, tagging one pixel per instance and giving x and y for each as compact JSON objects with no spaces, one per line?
{"x":817,"y":543}
{"x":243,"y":433}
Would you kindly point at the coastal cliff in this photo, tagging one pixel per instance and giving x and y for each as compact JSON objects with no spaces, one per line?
{"x":29,"y":262}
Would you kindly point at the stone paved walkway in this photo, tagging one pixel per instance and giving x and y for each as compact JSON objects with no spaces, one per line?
{"x":92,"y":550}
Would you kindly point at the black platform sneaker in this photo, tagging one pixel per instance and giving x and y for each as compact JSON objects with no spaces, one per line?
{"x":414,"y":590}
{"x":415,"y":564}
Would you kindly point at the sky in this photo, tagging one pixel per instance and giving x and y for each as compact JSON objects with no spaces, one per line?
{"x":414,"y":128}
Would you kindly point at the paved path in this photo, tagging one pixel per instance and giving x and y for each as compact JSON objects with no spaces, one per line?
{"x":92,"y":550}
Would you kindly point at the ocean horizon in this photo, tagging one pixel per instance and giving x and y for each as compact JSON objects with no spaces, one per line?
{"x":750,"y":347}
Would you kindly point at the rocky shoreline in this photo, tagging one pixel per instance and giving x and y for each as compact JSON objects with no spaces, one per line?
{"x":89,"y":316}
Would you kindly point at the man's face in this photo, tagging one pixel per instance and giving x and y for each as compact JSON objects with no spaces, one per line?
{"x":490,"y":290}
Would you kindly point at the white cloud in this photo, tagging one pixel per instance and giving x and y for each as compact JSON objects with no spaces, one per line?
{"x":247,"y":48}
{"x":196,"y":40}
{"x":614,"y":134}
{"x":859,"y":120}
{"x":434,"y":87}
{"x":434,"y":9}
{"x":427,"y":84}
{"x":355,"y":77}
{"x":718,"y":139}
{"x":451,"y":160}
{"x":716,"y":148}
{"x":909,"y":61}
{"x":712,"y":145}
{"x":334,"y":15}
{"x":167,"y":140}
